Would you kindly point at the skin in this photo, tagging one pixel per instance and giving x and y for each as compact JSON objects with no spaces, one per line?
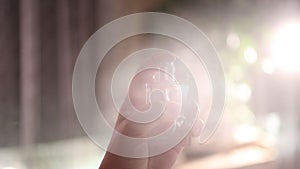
{"x":138,"y":100}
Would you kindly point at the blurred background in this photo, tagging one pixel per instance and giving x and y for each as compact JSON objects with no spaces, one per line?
{"x":258,"y":42}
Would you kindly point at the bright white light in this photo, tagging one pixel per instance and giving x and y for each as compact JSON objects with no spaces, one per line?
{"x":8,"y":167}
{"x":233,"y":41}
{"x":243,"y":92}
{"x":272,"y":123}
{"x":250,"y":55}
{"x":268,"y":66}
{"x":246,"y":133}
{"x":286,"y":48}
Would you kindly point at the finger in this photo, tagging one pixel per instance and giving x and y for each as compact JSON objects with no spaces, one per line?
{"x":197,"y":128}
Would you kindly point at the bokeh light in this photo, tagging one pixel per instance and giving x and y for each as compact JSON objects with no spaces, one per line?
{"x":243,"y":92}
{"x":233,"y":41}
{"x":250,"y":55}
{"x":272,"y":123}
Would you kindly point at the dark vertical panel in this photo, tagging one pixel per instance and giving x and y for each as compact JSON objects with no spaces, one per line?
{"x":64,"y":67}
{"x":74,"y":24}
{"x":9,"y":72}
{"x":85,"y":20}
{"x":83,"y":26}
{"x":67,"y":120}
{"x":49,"y":116}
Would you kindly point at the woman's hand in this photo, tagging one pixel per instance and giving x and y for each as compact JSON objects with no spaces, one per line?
{"x":139,"y":97}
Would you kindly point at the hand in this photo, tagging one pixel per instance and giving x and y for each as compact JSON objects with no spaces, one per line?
{"x":172,"y":107}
